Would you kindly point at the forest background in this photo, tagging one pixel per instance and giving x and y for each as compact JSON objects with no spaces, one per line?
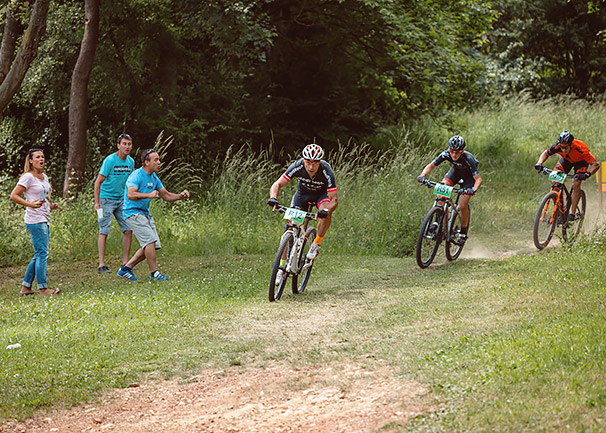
{"x":273,"y":75}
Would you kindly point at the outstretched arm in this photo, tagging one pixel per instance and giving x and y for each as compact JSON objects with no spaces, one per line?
{"x":171,"y":196}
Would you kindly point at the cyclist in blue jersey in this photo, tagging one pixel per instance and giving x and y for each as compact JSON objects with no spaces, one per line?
{"x":465,"y":169}
{"x":316,"y":186}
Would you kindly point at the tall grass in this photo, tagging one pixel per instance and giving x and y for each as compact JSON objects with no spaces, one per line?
{"x":380,"y":205}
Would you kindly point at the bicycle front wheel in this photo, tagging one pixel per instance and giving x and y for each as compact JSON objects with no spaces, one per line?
{"x":278,"y":278}
{"x":302,"y":271}
{"x":569,"y":234}
{"x":429,"y":237}
{"x":548,"y":216}
{"x":454,"y":246}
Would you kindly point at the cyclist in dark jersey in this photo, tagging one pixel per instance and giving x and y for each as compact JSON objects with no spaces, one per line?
{"x":316,"y":186}
{"x":573,"y":153}
{"x":464,"y":168}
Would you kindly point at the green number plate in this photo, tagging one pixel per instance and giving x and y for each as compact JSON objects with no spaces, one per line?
{"x":443,"y":190}
{"x":556,"y":176}
{"x":296,"y":215}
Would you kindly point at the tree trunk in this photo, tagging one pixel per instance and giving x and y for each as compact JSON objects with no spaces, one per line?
{"x":12,"y":30}
{"x":27,"y":52}
{"x":78,"y":101}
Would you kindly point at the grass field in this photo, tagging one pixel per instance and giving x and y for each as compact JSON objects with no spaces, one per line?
{"x":503,"y":340}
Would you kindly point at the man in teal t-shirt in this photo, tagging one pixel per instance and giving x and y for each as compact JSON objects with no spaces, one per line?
{"x":143,"y":185}
{"x":109,"y":195}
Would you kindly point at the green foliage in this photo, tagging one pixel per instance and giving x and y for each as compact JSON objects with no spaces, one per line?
{"x":549,"y":46}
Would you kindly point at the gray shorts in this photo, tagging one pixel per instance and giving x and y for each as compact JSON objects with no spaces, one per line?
{"x":144,"y":228}
{"x":111,"y":207}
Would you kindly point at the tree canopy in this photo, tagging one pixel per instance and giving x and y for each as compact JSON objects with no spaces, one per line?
{"x":228,"y":72}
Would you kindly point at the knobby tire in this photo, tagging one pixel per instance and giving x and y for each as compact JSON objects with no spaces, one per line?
{"x":275,"y":292}
{"x":297,"y":288}
{"x":453,"y":248}
{"x":569,"y":234}
{"x":547,"y":218}
{"x":428,"y":243}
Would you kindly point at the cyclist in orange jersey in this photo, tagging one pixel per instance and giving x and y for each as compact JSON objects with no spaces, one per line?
{"x":573,"y":153}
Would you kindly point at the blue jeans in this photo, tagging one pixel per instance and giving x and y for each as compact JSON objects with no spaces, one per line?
{"x":40,"y":234}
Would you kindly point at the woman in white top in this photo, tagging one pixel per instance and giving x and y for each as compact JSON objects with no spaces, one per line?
{"x":35,"y":186}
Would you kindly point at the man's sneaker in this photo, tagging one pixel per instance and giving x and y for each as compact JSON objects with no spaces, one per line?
{"x":313,"y":251}
{"x":157,"y":276}
{"x":103,"y":270}
{"x":461,"y":240}
{"x":127,"y":274}
{"x":570,"y":221}
{"x":279,"y":277}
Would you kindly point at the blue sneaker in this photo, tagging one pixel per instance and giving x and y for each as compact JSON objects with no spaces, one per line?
{"x":127,"y":275}
{"x":157,"y":276}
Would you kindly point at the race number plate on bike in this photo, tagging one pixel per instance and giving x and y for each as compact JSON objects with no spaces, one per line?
{"x":443,"y":190}
{"x":556,"y":176}
{"x":296,"y":215}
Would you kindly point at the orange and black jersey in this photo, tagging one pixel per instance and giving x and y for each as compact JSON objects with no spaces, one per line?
{"x":578,"y":153}
{"x":323,"y":181}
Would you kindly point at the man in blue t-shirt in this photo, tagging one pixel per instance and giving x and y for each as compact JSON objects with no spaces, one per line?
{"x":141,"y":187}
{"x":109,"y":193}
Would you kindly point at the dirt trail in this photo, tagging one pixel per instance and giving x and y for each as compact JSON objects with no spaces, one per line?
{"x":258,"y":400}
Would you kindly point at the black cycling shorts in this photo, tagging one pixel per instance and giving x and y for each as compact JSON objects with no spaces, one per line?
{"x":453,"y":178}
{"x":306,"y":201}
{"x":564,"y":166}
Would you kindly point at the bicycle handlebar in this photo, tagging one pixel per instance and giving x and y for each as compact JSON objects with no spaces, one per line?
{"x":547,"y":171}
{"x":431,"y":184}
{"x":308,"y":215}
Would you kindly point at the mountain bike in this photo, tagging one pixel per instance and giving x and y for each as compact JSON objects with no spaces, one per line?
{"x":442,"y":223}
{"x":554,"y":210}
{"x":294,"y":245}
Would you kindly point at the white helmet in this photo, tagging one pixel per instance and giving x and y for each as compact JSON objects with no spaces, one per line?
{"x":313,"y":152}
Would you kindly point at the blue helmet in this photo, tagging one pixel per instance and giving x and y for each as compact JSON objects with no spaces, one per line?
{"x":456,"y":142}
{"x":565,"y":137}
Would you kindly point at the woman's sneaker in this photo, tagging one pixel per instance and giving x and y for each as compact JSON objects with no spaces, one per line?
{"x":157,"y":276}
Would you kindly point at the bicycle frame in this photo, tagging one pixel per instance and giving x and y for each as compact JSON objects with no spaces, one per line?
{"x":558,"y":187}
{"x":296,"y":228}
{"x":449,"y":207}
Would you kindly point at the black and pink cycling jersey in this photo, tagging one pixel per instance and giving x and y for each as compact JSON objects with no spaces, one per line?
{"x":323,"y":181}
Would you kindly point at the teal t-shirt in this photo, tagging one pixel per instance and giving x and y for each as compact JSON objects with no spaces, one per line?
{"x":116,"y":172}
{"x":144,"y":183}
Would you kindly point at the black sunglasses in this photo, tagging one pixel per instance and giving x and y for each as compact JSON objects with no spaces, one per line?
{"x":34,"y":149}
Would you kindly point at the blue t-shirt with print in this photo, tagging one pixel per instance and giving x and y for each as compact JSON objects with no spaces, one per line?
{"x":144,"y":183}
{"x":116,"y":170}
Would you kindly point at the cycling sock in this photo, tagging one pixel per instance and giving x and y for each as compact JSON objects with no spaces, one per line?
{"x":318,"y":240}
{"x":282,"y":262}
{"x":463,"y":230}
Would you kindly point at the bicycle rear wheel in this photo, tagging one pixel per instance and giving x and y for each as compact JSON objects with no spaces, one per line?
{"x":276,"y":285}
{"x":569,"y":234}
{"x":454,"y":246}
{"x":297,"y":288}
{"x":548,"y":216}
{"x":429,"y":237}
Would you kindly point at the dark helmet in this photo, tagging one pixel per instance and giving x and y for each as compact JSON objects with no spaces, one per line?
{"x":565,"y":137}
{"x":456,"y":142}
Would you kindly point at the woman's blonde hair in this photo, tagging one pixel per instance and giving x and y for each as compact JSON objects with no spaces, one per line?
{"x":28,"y":166}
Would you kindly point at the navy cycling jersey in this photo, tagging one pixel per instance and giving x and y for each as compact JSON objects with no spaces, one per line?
{"x":466,"y":166}
{"x":324,"y":180}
